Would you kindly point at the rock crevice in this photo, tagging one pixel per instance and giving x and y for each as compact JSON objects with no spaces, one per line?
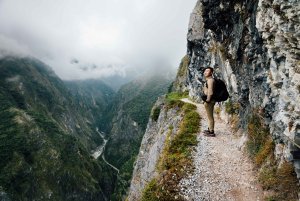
{"x":254,"y":47}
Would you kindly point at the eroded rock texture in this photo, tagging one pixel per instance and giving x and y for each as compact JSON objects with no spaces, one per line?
{"x":152,"y":146}
{"x":254,"y":46}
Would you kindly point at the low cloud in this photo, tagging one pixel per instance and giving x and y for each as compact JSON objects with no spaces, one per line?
{"x":105,"y":37}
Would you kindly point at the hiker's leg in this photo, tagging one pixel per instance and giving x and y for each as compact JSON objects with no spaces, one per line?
{"x":206,"y":109}
{"x":206,"y":105}
{"x":210,"y":115}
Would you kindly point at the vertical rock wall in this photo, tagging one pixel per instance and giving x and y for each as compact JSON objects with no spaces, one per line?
{"x":152,"y":147}
{"x":253,"y":46}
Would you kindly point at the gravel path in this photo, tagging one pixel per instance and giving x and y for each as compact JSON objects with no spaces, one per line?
{"x":222,"y":172}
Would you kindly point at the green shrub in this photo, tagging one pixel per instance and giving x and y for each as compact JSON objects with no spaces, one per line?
{"x":150,"y":191}
{"x":176,"y":96}
{"x":231,"y":107}
{"x":183,"y":66}
{"x":178,"y":84}
{"x":173,"y":99}
{"x":258,"y":134}
{"x":189,"y":107}
{"x":174,"y":104}
{"x":176,"y":157}
{"x":265,"y":151}
{"x":267,"y":177}
{"x":280,"y":179}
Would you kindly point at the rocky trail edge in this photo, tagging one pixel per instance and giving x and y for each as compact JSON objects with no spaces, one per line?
{"x":222,"y":170}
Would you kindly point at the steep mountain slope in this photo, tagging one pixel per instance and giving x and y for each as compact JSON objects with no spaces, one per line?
{"x":45,"y":139}
{"x":131,"y":111}
{"x":117,"y":81}
{"x":94,"y":98}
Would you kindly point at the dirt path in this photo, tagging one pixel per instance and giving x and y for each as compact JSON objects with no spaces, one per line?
{"x":222,"y":172}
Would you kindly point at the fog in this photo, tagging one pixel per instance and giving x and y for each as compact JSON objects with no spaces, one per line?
{"x":96,"y":38}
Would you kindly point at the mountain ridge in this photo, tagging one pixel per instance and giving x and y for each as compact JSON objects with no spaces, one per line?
{"x":45,"y":142}
{"x":49,"y":127}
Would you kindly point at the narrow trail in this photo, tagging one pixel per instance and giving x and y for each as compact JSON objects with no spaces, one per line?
{"x":222,"y":171}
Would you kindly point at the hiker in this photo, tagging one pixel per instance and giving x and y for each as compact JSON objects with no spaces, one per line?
{"x":209,"y":102}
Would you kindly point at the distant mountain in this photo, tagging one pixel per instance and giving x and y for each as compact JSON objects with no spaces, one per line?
{"x":117,"y":81}
{"x":94,"y":97}
{"x":129,"y":115}
{"x":46,"y":137}
{"x":48,"y":131}
{"x":121,"y":75}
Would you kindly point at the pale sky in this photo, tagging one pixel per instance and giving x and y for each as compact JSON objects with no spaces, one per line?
{"x":96,"y":38}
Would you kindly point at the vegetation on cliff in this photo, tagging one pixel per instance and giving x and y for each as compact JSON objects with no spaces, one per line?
{"x":280,"y":179}
{"x":179,"y":83}
{"x":176,"y":157}
{"x":93,"y":97}
{"x":130,"y":113}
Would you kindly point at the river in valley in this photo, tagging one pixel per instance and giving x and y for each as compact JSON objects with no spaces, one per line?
{"x":100,"y":149}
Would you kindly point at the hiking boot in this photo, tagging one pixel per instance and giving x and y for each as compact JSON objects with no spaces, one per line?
{"x":210,"y":134}
{"x":205,"y":132}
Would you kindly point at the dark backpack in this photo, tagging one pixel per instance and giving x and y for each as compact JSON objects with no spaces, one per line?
{"x":220,"y":91}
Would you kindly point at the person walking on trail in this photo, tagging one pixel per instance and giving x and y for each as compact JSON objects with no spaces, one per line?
{"x":209,"y":102}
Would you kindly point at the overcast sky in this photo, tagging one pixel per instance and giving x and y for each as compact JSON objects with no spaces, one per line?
{"x":92,"y":38}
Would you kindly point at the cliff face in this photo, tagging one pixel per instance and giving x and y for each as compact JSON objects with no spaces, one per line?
{"x":129,"y":113}
{"x":152,"y":146}
{"x":254,"y":47}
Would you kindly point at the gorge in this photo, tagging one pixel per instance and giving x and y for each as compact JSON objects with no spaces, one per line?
{"x":83,"y":140}
{"x":51,"y":128}
{"x":254,"y":47}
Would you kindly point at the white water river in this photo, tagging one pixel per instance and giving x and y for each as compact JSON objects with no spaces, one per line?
{"x":99,"y":150}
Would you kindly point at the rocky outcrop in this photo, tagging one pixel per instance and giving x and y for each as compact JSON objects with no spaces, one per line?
{"x":180,"y":82}
{"x":152,"y":146}
{"x":254,"y":47}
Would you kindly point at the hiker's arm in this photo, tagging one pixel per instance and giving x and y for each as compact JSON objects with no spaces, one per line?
{"x":210,"y":92}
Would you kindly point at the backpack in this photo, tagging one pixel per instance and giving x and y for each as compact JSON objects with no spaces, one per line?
{"x":220,"y":92}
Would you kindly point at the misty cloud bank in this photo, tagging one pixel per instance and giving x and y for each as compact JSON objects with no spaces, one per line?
{"x":96,"y":38}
